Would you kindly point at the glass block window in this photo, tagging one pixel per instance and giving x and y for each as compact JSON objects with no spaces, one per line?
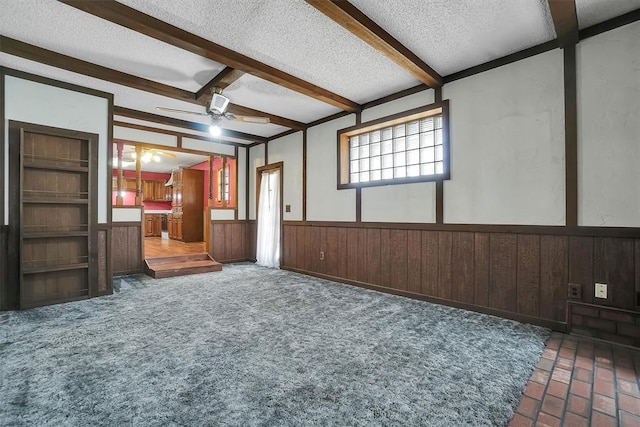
{"x":406,"y":150}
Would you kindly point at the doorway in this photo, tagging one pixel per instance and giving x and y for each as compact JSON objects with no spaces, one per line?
{"x":269,"y":198}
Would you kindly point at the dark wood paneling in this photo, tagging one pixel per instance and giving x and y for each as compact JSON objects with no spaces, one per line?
{"x":331,"y":252}
{"x":227,"y":241}
{"x":528,"y":272}
{"x":293,"y":246}
{"x":570,"y":128}
{"x":286,"y":246}
{"x":445,"y":260}
{"x":414,"y":262}
{"x":385,"y":258}
{"x":581,"y":265}
{"x":251,"y":236}
{"x":4,"y":294}
{"x":481,"y":269}
{"x":613,"y":264}
{"x":515,"y":275}
{"x":503,"y":272}
{"x":362,"y":255}
{"x":104,"y":282}
{"x":430,"y":271}
{"x":462,"y":273}
{"x":637,"y":287}
{"x":352,"y":253}
{"x":554,"y":276}
{"x":398,"y":261}
{"x":126,"y":249}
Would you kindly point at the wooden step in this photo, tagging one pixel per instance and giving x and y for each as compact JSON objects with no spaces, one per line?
{"x":181,"y":265}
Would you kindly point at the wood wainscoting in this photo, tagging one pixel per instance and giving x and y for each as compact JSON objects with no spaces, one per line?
{"x":105,"y":278}
{"x":522,"y":274}
{"x":126,"y":248}
{"x":228,"y":240}
{"x":6,"y":302}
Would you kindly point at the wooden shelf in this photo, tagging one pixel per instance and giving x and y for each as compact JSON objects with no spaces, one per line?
{"x":50,"y":268}
{"x":80,"y":169}
{"x":52,"y":201}
{"x":54,"y":234}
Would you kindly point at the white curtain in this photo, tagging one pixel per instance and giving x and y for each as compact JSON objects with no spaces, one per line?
{"x":268,"y":244}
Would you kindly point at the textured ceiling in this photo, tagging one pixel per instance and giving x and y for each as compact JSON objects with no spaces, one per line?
{"x":591,"y":12}
{"x":290,"y":35}
{"x":454,"y":35}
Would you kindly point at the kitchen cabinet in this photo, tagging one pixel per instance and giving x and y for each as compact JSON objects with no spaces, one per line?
{"x":154,"y":190}
{"x":187,"y":205}
{"x":152,"y":225}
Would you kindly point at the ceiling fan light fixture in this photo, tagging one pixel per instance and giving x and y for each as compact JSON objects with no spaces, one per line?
{"x":215,"y":130}
{"x":146,"y":157}
{"x":218,"y":103}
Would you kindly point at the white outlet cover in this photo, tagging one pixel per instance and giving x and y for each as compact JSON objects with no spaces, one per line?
{"x":601,"y":290}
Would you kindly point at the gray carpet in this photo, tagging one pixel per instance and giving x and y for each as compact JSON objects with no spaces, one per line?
{"x":256,"y":346}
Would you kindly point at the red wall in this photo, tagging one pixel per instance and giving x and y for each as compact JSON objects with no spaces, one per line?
{"x":130,"y":196}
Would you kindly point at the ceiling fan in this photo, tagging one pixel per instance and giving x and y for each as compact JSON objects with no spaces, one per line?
{"x":216,"y":109}
{"x":147,"y":155}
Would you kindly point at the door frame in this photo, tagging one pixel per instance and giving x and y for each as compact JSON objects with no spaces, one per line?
{"x":270,"y":168}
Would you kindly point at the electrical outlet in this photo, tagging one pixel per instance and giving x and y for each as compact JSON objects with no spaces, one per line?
{"x":321,"y":255}
{"x":601,"y":290}
{"x":287,"y":208}
{"x":575,"y":291}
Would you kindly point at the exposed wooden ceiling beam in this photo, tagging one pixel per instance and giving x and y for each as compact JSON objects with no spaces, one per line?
{"x":145,"y":24}
{"x":200,"y":127}
{"x":223,"y":79}
{"x":58,"y":60}
{"x":565,"y":21}
{"x":351,"y":18}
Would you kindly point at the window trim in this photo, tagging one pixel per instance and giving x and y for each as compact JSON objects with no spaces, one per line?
{"x":343,"y":135}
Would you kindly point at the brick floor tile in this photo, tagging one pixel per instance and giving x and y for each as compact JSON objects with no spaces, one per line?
{"x":579,"y":405}
{"x":604,"y":404}
{"x":581,"y":388}
{"x":604,"y":387}
{"x":586,"y":349}
{"x":569,"y":353}
{"x":550,"y":354}
{"x":604,"y":374}
{"x":584,"y":362}
{"x":570,"y":343}
{"x":573,"y":420}
{"x":552,"y":405}
{"x":546,"y":420}
{"x":563,"y":363}
{"x":629,"y":387}
{"x":545,"y":364}
{"x":599,"y":419}
{"x":558,"y":389}
{"x":520,"y":421}
{"x":561,"y":375}
{"x":623,"y":373}
{"x":540,"y":376}
{"x":629,"y":403}
{"x":534,"y":390}
{"x":583,"y":375}
{"x":603,"y":361}
{"x":628,"y":420}
{"x":553,"y":343}
{"x":528,"y":407}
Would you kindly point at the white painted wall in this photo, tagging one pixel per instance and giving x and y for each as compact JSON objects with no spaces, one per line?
{"x":126,"y":214}
{"x":147,"y":137}
{"x":324,"y":201}
{"x":507,"y":145}
{"x":222,"y":214}
{"x":288,"y":150}
{"x":208,"y":146}
{"x":608,"y":68}
{"x":399,"y":203}
{"x":256,"y":159}
{"x":37,"y":103}
{"x":242,"y":183}
{"x":402,"y":104}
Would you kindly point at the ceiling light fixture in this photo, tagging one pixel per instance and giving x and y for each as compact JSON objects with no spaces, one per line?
{"x":146,"y":157}
{"x":215,"y":130}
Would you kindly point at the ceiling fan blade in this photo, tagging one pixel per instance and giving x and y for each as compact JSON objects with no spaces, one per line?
{"x":173,"y":110}
{"x":252,"y":119}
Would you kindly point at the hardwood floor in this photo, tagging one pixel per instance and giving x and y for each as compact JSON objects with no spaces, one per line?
{"x":156,"y":247}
